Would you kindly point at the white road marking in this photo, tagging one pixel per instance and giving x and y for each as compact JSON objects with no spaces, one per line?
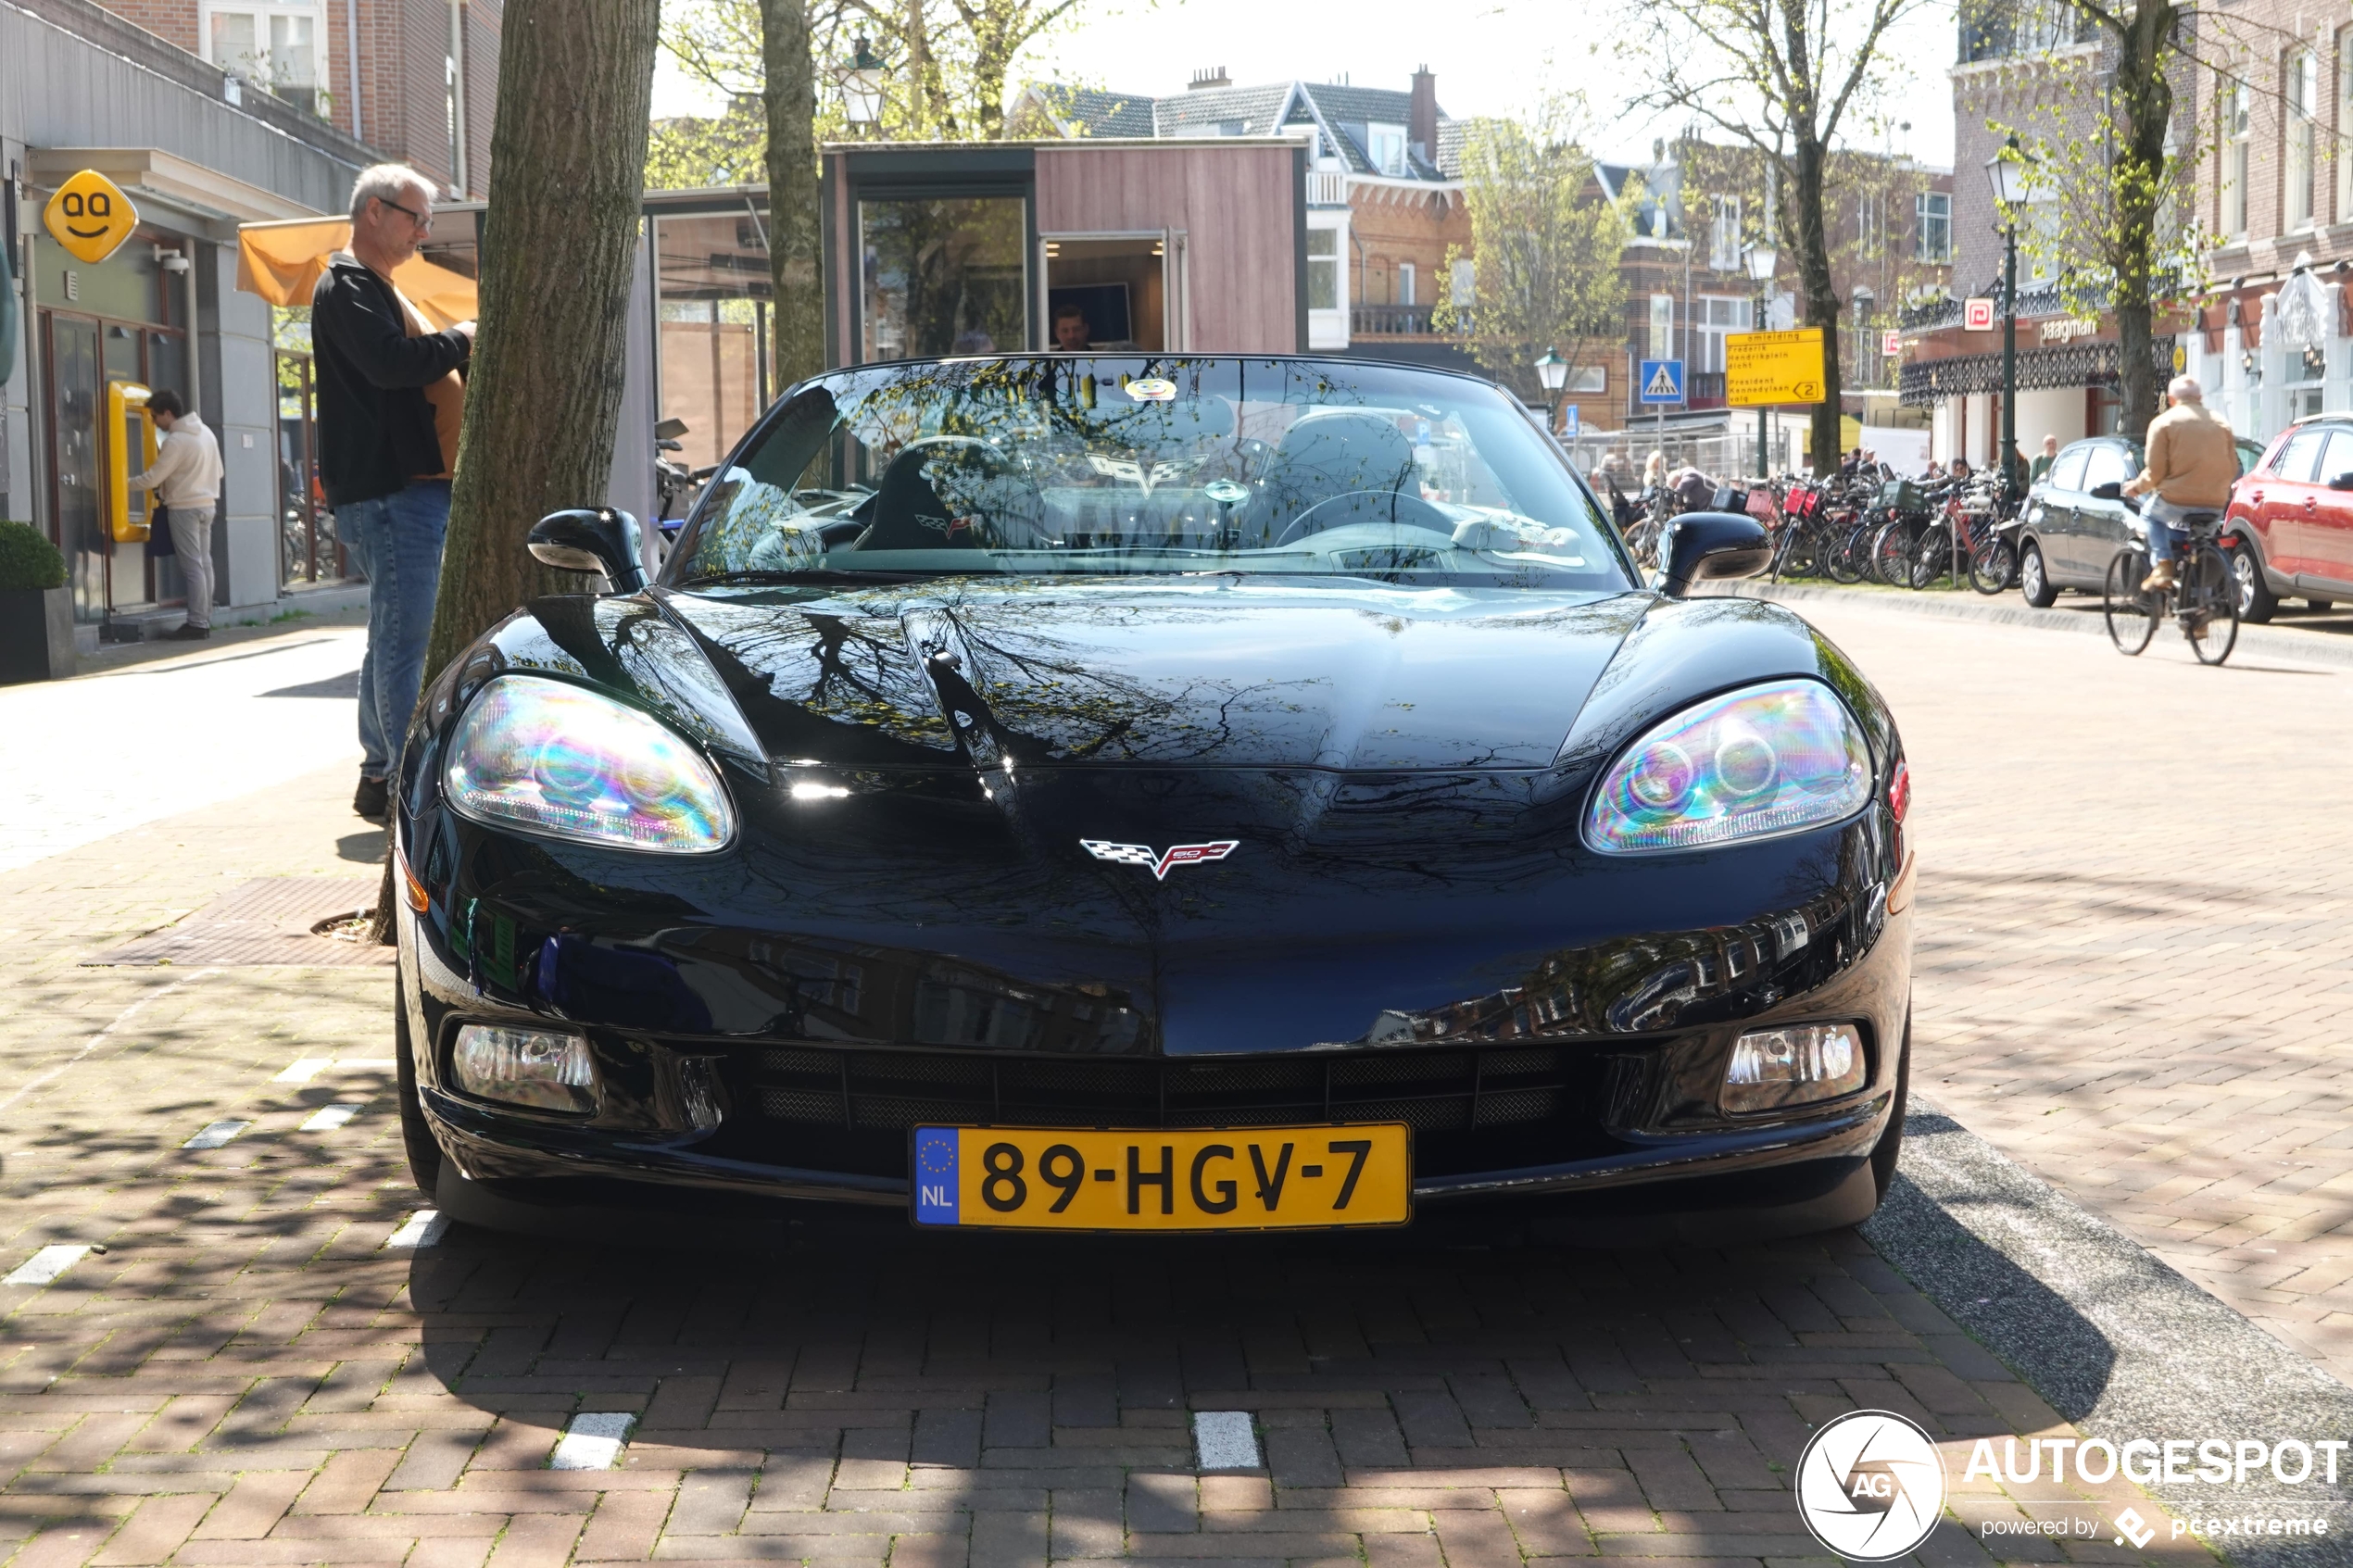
{"x":303,"y":1069}
{"x":1225,"y":1440}
{"x":421,"y":1229}
{"x":327,"y":1118}
{"x":216,"y":1135}
{"x":46,"y":1265}
{"x":100,"y":1038}
{"x":593,"y":1441}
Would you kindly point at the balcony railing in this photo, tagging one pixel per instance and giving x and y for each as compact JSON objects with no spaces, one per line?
{"x":1327,"y":189}
{"x":1389,"y":320}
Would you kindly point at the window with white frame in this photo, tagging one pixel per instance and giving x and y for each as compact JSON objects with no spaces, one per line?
{"x":1462,"y":284}
{"x":1385,"y":146}
{"x":2237,"y":126}
{"x":1932,"y":227}
{"x":1724,"y":234}
{"x":2343,"y":159}
{"x":2301,"y":131}
{"x":1323,"y":269}
{"x":277,"y":46}
{"x":1404,"y":282}
{"x":1661,"y":332}
{"x":1589,"y":380}
{"x":1867,"y":222}
{"x":1713,"y":316}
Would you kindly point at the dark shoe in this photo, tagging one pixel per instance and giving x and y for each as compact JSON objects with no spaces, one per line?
{"x":372,"y":800}
{"x":189,"y":633}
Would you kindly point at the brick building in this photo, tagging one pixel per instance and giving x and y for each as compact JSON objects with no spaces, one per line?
{"x":426,"y":70}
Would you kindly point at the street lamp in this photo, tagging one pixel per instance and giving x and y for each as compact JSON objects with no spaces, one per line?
{"x":2009,"y":170}
{"x":862,"y":87}
{"x":1552,"y":372}
{"x":1762,"y":260}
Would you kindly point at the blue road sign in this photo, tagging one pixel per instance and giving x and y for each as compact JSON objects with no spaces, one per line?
{"x":1662,"y":381}
{"x":1569,"y":422}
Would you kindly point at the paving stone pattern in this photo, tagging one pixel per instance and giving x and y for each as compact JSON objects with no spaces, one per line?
{"x":247,"y":1375}
{"x":2136,"y":938}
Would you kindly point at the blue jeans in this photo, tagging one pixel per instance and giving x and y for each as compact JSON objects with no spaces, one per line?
{"x":396,"y":543}
{"x":2160,"y":514}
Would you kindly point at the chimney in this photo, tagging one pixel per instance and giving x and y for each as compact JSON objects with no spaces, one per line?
{"x":1208,"y":76}
{"x":1422,"y":127}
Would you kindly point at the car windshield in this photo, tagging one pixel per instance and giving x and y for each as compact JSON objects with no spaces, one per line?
{"x":1135,"y":465}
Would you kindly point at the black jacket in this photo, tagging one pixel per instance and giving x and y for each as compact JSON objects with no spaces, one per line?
{"x":376,"y":428}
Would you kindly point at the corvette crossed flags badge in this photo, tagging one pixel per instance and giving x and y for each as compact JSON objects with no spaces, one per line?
{"x":1141,"y":854}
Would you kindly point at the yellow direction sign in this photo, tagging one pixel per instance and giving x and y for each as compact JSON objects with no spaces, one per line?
{"x":90,"y":216}
{"x":1768,"y":368}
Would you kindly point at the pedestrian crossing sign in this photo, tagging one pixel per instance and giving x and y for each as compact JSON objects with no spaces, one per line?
{"x":1662,"y":381}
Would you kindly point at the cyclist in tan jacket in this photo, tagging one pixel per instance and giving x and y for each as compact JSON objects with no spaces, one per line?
{"x":2191,"y":461}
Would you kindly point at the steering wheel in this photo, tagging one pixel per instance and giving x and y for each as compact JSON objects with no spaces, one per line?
{"x":1367,"y":506}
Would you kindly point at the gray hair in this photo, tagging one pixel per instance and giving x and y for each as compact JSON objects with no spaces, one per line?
{"x":2185,"y":389}
{"x":386,"y":182}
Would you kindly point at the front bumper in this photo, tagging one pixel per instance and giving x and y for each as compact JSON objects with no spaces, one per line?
{"x":1615,"y":1125}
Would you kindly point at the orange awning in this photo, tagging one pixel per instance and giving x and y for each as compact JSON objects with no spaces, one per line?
{"x":282,"y":263}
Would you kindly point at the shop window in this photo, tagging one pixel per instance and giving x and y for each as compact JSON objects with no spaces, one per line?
{"x":943,"y":275}
{"x":711,"y":275}
{"x":276,"y":47}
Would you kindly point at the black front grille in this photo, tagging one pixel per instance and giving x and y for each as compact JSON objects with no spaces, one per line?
{"x":1489,"y":1109}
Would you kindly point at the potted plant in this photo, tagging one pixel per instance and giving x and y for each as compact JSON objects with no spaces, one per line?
{"x":36,"y":611}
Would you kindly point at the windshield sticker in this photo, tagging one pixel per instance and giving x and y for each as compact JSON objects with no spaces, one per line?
{"x":1152,"y":389}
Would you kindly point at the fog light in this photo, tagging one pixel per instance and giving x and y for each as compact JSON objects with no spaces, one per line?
{"x":1772,"y":1068}
{"x":534,"y":1067}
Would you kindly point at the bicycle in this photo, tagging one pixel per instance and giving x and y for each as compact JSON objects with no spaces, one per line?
{"x":2204,"y":600}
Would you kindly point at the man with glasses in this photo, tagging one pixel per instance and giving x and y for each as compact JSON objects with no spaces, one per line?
{"x":391,"y":395}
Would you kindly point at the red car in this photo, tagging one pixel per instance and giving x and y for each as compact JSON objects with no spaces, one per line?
{"x":2291,"y":518}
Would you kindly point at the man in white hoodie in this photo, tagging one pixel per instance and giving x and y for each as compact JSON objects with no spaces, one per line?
{"x":186,"y":478}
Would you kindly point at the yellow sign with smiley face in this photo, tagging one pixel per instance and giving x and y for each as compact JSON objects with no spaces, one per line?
{"x":90,"y":216}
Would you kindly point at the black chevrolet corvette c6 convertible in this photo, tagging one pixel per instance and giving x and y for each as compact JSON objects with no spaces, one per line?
{"x":1156,"y":793}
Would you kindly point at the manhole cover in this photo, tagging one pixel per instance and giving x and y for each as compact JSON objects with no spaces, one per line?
{"x":300,"y":921}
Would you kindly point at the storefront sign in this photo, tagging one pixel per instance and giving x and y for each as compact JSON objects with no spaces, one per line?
{"x":1761,"y":368}
{"x":2067,"y":329}
{"x":1977,"y":314}
{"x":90,"y":216}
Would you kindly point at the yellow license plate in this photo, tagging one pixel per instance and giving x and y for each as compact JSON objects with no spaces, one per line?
{"x":1255,"y":1178}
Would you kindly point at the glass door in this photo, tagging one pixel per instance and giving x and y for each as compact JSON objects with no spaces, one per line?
{"x":75,"y":402}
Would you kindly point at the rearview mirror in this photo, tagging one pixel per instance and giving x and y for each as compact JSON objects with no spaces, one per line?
{"x":1710,"y":546}
{"x":582,"y":540}
{"x":2112,"y":491}
{"x":669,"y":430}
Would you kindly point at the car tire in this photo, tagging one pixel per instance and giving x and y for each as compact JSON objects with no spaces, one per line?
{"x":2033,"y":582}
{"x":2257,"y":602}
{"x":1890,"y":1147}
{"x":416,"y":1135}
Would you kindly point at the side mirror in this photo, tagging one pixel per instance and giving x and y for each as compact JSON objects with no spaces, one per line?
{"x":2342,"y":482}
{"x":1708,"y":547}
{"x":602,"y":540}
{"x":2112,"y":491}
{"x":669,"y":430}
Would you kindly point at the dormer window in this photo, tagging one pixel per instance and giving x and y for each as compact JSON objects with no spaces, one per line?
{"x":1385,"y":146}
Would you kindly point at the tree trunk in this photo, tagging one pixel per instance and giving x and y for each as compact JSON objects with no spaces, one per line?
{"x":1808,"y":176}
{"x":2137,"y":179}
{"x":558,"y":236}
{"x":789,"y":94}
{"x":559,"y":239}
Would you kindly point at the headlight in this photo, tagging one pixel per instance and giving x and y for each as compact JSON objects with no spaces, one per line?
{"x":1775,"y":1068}
{"x":559,"y":759}
{"x":1749,"y":764}
{"x":534,"y":1067}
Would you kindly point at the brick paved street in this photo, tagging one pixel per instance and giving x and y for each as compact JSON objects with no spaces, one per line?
{"x":247,"y":1374}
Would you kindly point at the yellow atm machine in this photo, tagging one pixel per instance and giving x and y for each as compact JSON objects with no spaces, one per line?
{"x":130,"y":447}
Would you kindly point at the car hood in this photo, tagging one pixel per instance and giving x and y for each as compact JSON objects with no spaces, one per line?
{"x":1219,"y":674}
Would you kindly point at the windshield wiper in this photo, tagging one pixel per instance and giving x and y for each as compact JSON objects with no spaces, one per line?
{"x":803,"y":574}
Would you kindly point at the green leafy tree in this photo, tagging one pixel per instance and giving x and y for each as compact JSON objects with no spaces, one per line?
{"x":1544,"y":249}
{"x":1782,"y":78}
